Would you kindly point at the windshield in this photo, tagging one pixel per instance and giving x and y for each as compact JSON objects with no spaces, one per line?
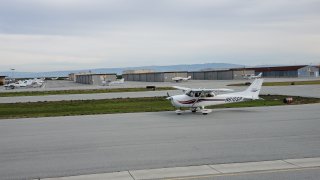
{"x":200,"y":93}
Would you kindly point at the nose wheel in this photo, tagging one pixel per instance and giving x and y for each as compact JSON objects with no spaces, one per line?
{"x":206,"y":111}
{"x":178,"y":112}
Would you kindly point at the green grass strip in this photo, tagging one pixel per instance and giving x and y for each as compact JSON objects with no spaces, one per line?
{"x":86,"y":107}
{"x":127,"y":105}
{"x":86,"y":91}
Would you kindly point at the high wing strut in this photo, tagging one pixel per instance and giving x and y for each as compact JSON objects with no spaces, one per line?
{"x":197,"y":99}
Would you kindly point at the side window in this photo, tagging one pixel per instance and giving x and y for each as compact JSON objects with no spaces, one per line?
{"x":190,"y":94}
{"x":210,"y":94}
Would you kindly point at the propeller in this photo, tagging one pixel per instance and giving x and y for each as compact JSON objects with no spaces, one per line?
{"x":169,"y":97}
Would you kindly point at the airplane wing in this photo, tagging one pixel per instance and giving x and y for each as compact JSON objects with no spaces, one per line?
{"x":204,"y":90}
{"x":216,"y":90}
{"x":181,"y":88}
{"x":212,"y":90}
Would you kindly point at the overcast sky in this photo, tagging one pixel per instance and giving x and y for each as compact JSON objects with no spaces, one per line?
{"x":47,"y":35}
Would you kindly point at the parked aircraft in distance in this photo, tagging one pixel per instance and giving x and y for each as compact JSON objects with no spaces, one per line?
{"x":55,"y":78}
{"x":108,"y":83}
{"x":26,"y":83}
{"x":198,"y":99}
{"x":252,"y":76}
{"x":179,"y":79}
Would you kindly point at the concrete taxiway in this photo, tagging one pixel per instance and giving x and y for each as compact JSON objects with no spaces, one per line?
{"x":303,"y":90}
{"x":70,"y":85}
{"x":76,"y":145}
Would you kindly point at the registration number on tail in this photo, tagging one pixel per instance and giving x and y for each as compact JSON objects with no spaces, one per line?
{"x":233,"y":99}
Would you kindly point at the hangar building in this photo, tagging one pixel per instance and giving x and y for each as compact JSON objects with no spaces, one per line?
{"x":94,"y":79}
{"x":228,"y":74}
{"x":72,"y":77}
{"x":211,"y":75}
{"x":2,"y":80}
{"x":154,"y":76}
{"x":288,"y":71}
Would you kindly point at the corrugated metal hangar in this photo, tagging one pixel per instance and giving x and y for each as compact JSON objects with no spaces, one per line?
{"x":211,"y":75}
{"x":288,"y":71}
{"x":154,"y":76}
{"x":227,"y":74}
{"x":94,"y":79}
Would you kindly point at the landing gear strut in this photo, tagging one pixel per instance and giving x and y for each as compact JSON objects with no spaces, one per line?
{"x":194,"y":110}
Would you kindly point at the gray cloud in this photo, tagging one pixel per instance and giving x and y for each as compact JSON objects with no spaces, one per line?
{"x":124,"y":32}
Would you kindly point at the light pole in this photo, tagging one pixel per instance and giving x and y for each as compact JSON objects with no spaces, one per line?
{"x":12,"y":74}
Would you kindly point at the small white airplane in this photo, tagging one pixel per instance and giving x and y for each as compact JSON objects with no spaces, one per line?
{"x":179,"y":79}
{"x":19,"y":84}
{"x":108,"y":83}
{"x":55,"y":78}
{"x":252,"y":76}
{"x":37,"y":82}
{"x":25,"y":83}
{"x":198,"y":99}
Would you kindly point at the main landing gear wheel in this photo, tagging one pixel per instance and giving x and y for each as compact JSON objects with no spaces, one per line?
{"x":206,"y":111}
{"x":179,"y":112}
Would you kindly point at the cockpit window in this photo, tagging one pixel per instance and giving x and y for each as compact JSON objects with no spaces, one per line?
{"x":199,"y":93}
{"x":190,"y":93}
{"x":210,"y":94}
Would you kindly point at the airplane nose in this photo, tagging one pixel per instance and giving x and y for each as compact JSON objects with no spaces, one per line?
{"x":169,"y":97}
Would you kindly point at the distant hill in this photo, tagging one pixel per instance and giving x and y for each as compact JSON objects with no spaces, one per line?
{"x":182,"y":67}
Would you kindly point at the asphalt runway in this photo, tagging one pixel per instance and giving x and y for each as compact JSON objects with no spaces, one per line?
{"x":75,"y":145}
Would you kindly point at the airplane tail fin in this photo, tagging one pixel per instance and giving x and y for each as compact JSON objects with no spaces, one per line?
{"x":254,"y":89}
{"x":260,"y":75}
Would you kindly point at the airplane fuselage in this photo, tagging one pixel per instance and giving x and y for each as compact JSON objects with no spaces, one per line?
{"x":193,"y":102}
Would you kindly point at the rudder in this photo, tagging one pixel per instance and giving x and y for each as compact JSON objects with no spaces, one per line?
{"x":254,"y":89}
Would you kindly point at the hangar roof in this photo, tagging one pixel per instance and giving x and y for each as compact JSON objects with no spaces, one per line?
{"x":274,"y":68}
{"x":160,"y":72}
{"x":95,"y":74}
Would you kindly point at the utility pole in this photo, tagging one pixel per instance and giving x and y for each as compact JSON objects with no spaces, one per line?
{"x":12,"y":74}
